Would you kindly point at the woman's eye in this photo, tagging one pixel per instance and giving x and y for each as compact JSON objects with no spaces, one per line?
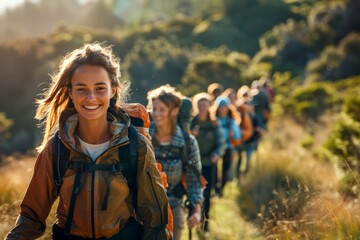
{"x":81,"y":90}
{"x":100,"y":89}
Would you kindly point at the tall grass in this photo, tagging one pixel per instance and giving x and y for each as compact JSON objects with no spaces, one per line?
{"x":9,"y":203}
{"x":273,"y":195}
{"x":15,"y":174}
{"x":290,"y":194}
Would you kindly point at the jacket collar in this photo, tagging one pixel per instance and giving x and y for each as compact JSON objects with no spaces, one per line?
{"x":177,"y":140}
{"x":118,"y":119}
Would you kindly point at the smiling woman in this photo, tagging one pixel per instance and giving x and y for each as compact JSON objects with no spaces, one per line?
{"x":82,"y":113}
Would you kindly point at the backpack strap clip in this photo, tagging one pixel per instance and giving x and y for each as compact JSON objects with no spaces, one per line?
{"x":78,"y":166}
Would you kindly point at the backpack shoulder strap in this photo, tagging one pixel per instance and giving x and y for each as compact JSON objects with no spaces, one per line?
{"x":187,"y":164}
{"x":129,"y":162}
{"x":60,"y":159}
{"x":186,"y":151}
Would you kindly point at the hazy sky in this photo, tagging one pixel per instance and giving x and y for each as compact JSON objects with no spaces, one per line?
{"x":13,"y":3}
{"x":9,"y":4}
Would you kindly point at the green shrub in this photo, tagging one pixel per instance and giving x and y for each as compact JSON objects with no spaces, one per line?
{"x":308,"y":141}
{"x":153,"y":63}
{"x":254,"y":17}
{"x":5,"y":135}
{"x":339,"y":62}
{"x":352,"y":108}
{"x":349,"y":185}
{"x":343,"y":146}
{"x":225,"y":68}
{"x":310,"y":101}
{"x":217,"y":31}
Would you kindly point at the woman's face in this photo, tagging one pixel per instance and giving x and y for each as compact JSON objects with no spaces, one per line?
{"x":232,"y":97}
{"x":161,"y":113}
{"x":223,"y":111}
{"x":91,"y":92}
{"x":203,"y":106}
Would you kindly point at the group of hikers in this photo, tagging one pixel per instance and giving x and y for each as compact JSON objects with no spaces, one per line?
{"x":123,"y":171}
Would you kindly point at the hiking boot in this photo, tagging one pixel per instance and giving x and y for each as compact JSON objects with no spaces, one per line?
{"x":218,"y":190}
{"x":206,"y":226}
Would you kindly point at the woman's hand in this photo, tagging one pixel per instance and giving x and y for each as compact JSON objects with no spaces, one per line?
{"x":195,"y":218}
{"x":196,"y":130}
{"x":214,"y":158}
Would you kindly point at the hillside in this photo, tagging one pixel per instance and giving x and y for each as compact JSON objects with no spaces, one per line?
{"x":305,"y":180}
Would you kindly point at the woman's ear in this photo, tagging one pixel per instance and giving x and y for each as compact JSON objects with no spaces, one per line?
{"x":70,"y":95}
{"x":175,"y":112}
{"x":113,"y":92}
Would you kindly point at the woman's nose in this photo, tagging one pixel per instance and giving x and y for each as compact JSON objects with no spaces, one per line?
{"x":90,"y":95}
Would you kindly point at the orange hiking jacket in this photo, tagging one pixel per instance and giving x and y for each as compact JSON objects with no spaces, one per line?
{"x":89,"y":220}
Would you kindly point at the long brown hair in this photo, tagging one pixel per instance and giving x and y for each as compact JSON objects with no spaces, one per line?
{"x":56,"y":98}
{"x":169,"y":96}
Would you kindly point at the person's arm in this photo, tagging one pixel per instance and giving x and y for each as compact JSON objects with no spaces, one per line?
{"x":38,"y":200}
{"x":235,"y":129}
{"x":152,"y":199}
{"x":194,"y":188}
{"x":220,"y":145}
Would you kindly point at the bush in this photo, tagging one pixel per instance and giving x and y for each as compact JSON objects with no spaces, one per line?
{"x":308,"y":141}
{"x":153,"y":63}
{"x":343,"y":146}
{"x":217,"y":31}
{"x":339,"y":62}
{"x":309,"y":102}
{"x":248,"y":16}
{"x":225,"y":68}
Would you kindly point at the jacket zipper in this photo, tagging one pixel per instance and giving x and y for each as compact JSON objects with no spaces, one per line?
{"x":93,"y":182}
{"x":93,"y":190}
{"x":157,"y":201}
{"x":92,"y":204}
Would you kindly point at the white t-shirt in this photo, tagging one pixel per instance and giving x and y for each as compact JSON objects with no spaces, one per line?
{"x":94,"y":150}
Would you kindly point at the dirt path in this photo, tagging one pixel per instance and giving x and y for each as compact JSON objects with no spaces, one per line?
{"x":226,"y":222}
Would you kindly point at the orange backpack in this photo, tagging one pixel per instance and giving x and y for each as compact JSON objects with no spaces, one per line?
{"x":141,"y":120}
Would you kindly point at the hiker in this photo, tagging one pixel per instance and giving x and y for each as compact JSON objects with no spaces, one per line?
{"x":261,"y":102}
{"x":270,"y":91}
{"x":230,"y":93}
{"x":95,"y":200}
{"x":246,"y":129}
{"x":211,"y":144}
{"x":215,"y":90}
{"x":229,"y":120}
{"x":250,"y":144}
{"x":168,"y":140}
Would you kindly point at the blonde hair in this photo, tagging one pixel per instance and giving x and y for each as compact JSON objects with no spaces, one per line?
{"x":215,"y":89}
{"x":56,"y":98}
{"x":169,"y":96}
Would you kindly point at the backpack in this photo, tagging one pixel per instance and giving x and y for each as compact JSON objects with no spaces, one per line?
{"x":185,"y":114}
{"x":139,"y":123}
{"x":184,"y":121}
{"x":246,"y":126}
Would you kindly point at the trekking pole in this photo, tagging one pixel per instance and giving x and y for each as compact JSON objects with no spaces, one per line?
{"x":191,"y":208}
